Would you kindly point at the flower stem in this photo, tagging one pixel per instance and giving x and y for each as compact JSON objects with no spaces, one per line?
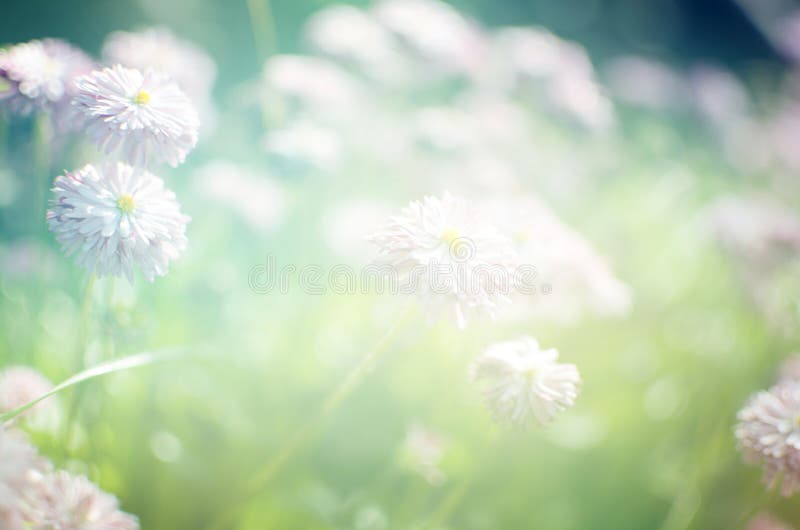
{"x":80,"y":353}
{"x":448,"y":505}
{"x":42,"y":133}
{"x":303,"y":434}
{"x":263,"y":24}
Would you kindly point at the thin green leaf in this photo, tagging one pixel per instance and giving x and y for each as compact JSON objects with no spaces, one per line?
{"x":117,"y":365}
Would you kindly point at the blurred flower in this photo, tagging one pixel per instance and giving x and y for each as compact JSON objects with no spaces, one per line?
{"x":352,"y":34}
{"x":38,"y":75}
{"x":303,"y":145}
{"x":719,"y":96}
{"x":755,"y":229}
{"x":116,"y":217}
{"x":146,"y":115}
{"x":310,"y":82}
{"x":559,"y":69}
{"x":765,"y":521}
{"x":526,"y":384}
{"x":66,"y":502}
{"x":790,"y":369}
{"x":437,"y":32}
{"x":258,"y":199}
{"x":645,"y":82}
{"x":422,"y":452}
{"x":158,"y":49}
{"x":18,"y":460}
{"x":463,"y":262}
{"x":768,"y":433}
{"x":579,"y":279}
{"x":25,"y":258}
{"x":763,"y":237}
{"x":20,"y":385}
{"x":445,"y":129}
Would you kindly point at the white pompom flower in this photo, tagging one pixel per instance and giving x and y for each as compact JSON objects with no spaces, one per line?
{"x":145,"y":115}
{"x":39,"y":74}
{"x":67,"y":502}
{"x":526,"y":385}
{"x":116,"y":217}
{"x":768,"y":433}
{"x":446,"y":252}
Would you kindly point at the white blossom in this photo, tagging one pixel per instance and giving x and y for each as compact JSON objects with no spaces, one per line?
{"x":61,"y":501}
{"x":768,"y":433}
{"x":445,"y":251}
{"x":145,"y":115}
{"x":526,"y":384}
{"x":115,"y":218}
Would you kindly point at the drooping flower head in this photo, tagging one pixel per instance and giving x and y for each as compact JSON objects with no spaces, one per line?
{"x":525,"y":384}
{"x":444,"y":250}
{"x":39,"y":74}
{"x":20,"y":385}
{"x":65,"y":502}
{"x":160,"y":50}
{"x":116,"y":217}
{"x":145,"y":115}
{"x":768,"y":433}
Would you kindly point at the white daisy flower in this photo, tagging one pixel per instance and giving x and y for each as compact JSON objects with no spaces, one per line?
{"x":160,"y":50}
{"x":526,"y":384}
{"x":20,"y":385}
{"x":66,"y":502}
{"x":445,"y":251}
{"x":144,"y":114}
{"x":768,"y":433}
{"x":116,"y":217}
{"x":37,"y":75}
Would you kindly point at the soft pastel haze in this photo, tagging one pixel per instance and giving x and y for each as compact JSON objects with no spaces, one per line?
{"x":399,"y":264}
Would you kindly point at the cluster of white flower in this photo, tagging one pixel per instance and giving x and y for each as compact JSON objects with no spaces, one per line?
{"x":115,"y":217}
{"x":34,"y":497}
{"x":768,"y":432}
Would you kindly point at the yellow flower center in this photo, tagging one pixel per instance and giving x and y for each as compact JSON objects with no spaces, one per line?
{"x":529,"y":374}
{"x":142,"y":97}
{"x":125,"y":203}
{"x":449,"y":235}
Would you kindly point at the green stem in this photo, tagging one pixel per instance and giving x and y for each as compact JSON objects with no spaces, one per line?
{"x":303,"y":434}
{"x":41,"y":169}
{"x":80,"y":355}
{"x":263,"y":25}
{"x":449,"y":504}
